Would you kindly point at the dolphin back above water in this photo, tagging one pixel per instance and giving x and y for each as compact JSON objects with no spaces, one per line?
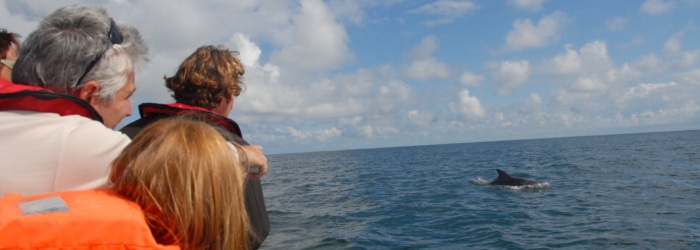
{"x":506,"y":180}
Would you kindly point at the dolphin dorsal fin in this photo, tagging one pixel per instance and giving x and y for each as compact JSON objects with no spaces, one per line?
{"x":502,"y":174}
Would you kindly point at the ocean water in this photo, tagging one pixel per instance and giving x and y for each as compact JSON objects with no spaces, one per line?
{"x":633,"y":191}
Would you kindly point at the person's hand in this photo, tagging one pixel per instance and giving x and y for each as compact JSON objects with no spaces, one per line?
{"x":255,"y":160}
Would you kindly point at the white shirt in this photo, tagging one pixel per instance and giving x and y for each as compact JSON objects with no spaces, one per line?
{"x":44,"y":152}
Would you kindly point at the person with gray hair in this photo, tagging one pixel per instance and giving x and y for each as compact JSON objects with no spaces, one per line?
{"x":71,"y":86}
{"x":81,"y":51}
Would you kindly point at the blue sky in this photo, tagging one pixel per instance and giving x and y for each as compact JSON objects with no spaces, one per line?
{"x":332,"y":75}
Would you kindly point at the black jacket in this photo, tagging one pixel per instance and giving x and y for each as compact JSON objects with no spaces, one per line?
{"x":254,"y":200}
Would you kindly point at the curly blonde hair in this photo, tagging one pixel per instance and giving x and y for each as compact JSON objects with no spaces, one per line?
{"x":208,"y":76}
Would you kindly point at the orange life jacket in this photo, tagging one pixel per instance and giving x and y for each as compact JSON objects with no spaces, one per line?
{"x":85,"y":219}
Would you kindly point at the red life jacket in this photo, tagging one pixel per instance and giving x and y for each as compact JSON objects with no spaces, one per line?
{"x":146,"y":109}
{"x":31,"y":98}
{"x":78,"y":220}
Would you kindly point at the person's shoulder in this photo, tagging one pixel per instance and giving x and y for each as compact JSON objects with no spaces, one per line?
{"x":93,"y":131}
{"x":33,"y":120}
{"x":133,"y":128}
{"x":47,"y":121}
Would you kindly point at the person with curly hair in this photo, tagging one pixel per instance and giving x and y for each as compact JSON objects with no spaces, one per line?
{"x":206,"y":85}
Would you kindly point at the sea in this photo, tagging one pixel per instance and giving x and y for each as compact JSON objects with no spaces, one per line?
{"x":628,"y":191}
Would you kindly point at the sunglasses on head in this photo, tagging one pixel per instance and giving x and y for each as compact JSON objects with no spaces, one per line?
{"x":8,"y":63}
{"x":115,"y":37}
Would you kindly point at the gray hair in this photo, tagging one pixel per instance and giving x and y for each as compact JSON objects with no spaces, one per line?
{"x":68,"y":41}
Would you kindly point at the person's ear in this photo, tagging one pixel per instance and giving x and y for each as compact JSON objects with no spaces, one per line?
{"x":88,"y":92}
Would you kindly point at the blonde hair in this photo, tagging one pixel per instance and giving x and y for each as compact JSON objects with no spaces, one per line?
{"x":189,"y":183}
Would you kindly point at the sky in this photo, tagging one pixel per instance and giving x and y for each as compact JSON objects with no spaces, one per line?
{"x":336,"y":75}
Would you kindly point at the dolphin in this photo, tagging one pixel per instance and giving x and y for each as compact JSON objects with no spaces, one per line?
{"x":507,"y":180}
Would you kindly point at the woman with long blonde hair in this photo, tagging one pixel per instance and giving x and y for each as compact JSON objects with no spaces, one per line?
{"x":189,"y":182}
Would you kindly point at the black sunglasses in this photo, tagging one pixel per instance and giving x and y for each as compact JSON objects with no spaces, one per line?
{"x":115,"y":37}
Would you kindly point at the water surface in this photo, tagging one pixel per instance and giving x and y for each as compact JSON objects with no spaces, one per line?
{"x":636,"y":191}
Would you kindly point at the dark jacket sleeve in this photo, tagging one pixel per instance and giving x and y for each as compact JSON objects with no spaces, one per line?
{"x":254,"y":203}
{"x":257,"y":212}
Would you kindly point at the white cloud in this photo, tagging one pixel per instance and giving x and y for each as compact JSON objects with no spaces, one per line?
{"x":509,"y":74}
{"x":591,"y":83}
{"x":674,"y":45}
{"x":427,"y":69}
{"x":249,"y":51}
{"x":535,"y":99}
{"x":446,"y":10}
{"x":616,"y":23}
{"x":591,"y":58}
{"x":529,"y":5}
{"x":595,"y":91}
{"x":526,"y":34}
{"x":358,"y":126}
{"x":349,"y":10}
{"x":683,"y":113}
{"x":529,"y":113}
{"x":692,"y":77}
{"x":447,"y":7}
{"x":313,"y":136}
{"x":595,"y":57}
{"x":643,"y":90}
{"x":468,"y":106}
{"x":317,"y":42}
{"x":650,"y":64}
{"x":594,"y":86}
{"x":249,"y":54}
{"x":656,"y":7}
{"x":393,"y":96}
{"x":565,"y":64}
{"x":355,"y":11}
{"x":424,"y":66}
{"x":425,"y":48}
{"x":470,"y":79}
{"x":419,"y":118}
{"x":690,"y":58}
{"x":361,"y":127}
